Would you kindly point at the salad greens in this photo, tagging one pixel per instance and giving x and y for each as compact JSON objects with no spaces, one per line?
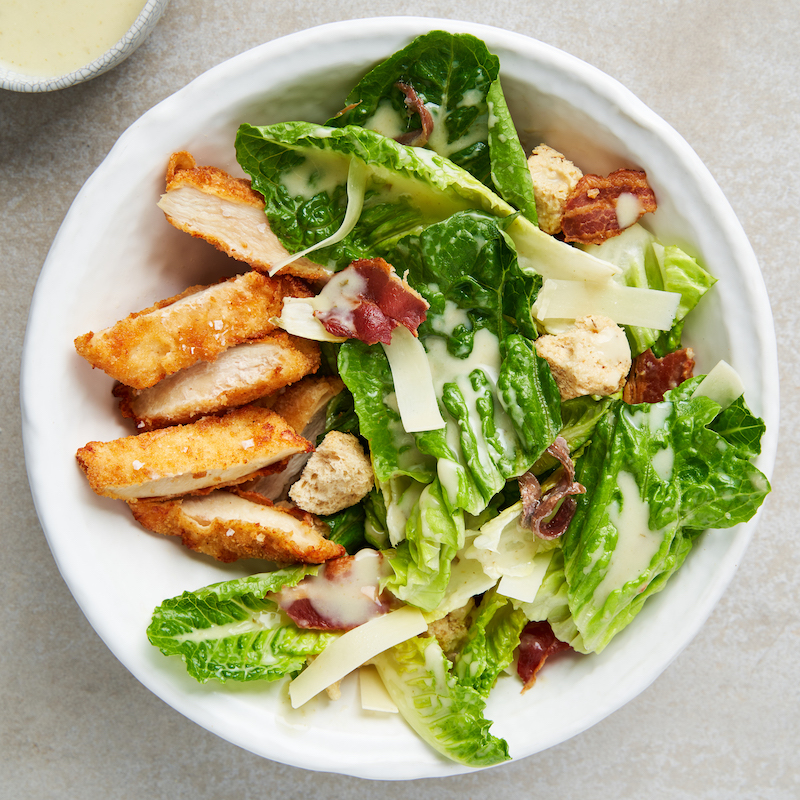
{"x":456,"y":216}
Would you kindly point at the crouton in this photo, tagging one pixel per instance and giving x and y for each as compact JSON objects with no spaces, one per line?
{"x":593,"y":357}
{"x":554,"y":177}
{"x":337,"y":476}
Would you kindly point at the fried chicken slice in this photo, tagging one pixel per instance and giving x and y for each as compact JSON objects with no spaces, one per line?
{"x":227,"y":212}
{"x":236,"y":377}
{"x":229,"y":525}
{"x":196,"y":325}
{"x":303,"y":405}
{"x":210,"y":453}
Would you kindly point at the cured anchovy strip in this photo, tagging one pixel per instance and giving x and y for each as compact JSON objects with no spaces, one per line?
{"x":420,"y":136}
{"x":536,"y":507}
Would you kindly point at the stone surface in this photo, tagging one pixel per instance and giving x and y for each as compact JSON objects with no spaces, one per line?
{"x":722,"y":723}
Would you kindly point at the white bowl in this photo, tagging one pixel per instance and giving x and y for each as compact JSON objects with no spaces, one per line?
{"x":136,"y":34}
{"x":115,"y":253}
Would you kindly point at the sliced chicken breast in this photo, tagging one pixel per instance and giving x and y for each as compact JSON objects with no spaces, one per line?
{"x":209,"y":453}
{"x":229,"y":525}
{"x":210,"y":204}
{"x":196,"y":325}
{"x":236,"y":377}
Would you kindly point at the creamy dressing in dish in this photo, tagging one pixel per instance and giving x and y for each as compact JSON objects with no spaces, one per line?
{"x":54,"y":37}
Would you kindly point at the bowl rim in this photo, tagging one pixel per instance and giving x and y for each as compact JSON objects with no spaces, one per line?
{"x":135,"y":35}
{"x":406,"y":26}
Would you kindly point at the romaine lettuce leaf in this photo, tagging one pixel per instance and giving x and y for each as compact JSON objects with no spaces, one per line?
{"x":443,"y":712}
{"x":452,"y":75}
{"x":456,"y":79}
{"x":301,"y":170}
{"x":655,"y":475}
{"x":230,"y":631}
{"x":434,"y":533}
{"x":492,"y":639}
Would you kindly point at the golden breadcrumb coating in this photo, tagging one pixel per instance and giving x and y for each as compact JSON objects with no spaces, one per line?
{"x":227,"y":212}
{"x":196,"y":325}
{"x":237,"y":376}
{"x":229,"y":525}
{"x":301,"y":402}
{"x":209,"y":453}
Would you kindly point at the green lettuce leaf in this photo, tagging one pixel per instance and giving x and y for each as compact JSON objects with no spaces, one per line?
{"x":655,"y":475}
{"x":510,"y":173}
{"x":230,"y":631}
{"x":452,"y":75}
{"x":434,"y":533}
{"x":446,"y":714}
{"x":492,"y":639}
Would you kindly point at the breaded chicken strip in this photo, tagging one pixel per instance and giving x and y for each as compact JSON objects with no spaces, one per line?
{"x":225,"y":211}
{"x":229,"y":525}
{"x":196,"y":325}
{"x":236,"y":377}
{"x":303,"y":405}
{"x":209,"y":453}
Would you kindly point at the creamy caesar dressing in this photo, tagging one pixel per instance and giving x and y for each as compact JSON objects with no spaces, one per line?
{"x":628,"y":209}
{"x":386,"y":120}
{"x":636,"y":544}
{"x":348,"y":600}
{"x":440,"y":135}
{"x":321,"y":171}
{"x":45,"y":38}
{"x":657,"y":418}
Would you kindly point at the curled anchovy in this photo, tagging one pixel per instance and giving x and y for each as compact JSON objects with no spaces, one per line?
{"x":537,"y":507}
{"x":420,"y":136}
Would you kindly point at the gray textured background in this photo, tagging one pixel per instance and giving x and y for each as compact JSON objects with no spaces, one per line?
{"x":723,"y":721}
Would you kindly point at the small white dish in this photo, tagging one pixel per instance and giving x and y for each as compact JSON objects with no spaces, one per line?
{"x":116,"y":54}
{"x":115,"y":253}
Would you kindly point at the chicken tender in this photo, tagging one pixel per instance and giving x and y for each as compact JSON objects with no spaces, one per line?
{"x":554,"y":177}
{"x":227,"y":212}
{"x":229,"y":525}
{"x":196,"y":325}
{"x":209,"y":453}
{"x":593,"y":357}
{"x":238,"y":376}
{"x":338,"y":475}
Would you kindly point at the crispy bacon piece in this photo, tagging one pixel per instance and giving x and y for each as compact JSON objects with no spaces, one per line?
{"x":537,"y":507}
{"x":414,"y":104}
{"x":344,"y":594}
{"x":592,"y":213}
{"x":367,"y":300}
{"x":651,"y":378}
{"x":536,"y":643}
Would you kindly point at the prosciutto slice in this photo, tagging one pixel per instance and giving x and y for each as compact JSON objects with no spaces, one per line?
{"x":537,"y":507}
{"x":651,"y":378}
{"x":367,"y":300}
{"x":536,"y":643}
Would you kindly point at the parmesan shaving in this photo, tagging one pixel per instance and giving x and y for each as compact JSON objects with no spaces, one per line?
{"x":297,"y":317}
{"x":413,"y":382}
{"x":524,"y":588}
{"x":354,"y":648}
{"x":374,"y":696}
{"x":626,"y":305}
{"x":722,"y":385}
